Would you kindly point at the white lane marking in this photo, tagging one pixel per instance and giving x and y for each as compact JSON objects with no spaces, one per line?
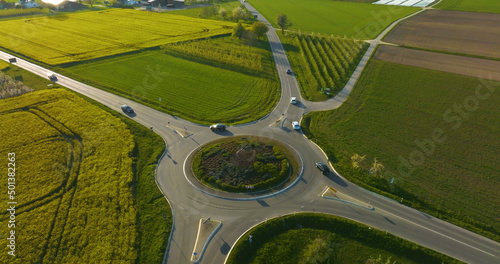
{"x":439,"y":233}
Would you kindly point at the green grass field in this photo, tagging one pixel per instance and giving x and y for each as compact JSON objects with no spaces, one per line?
{"x":321,"y":62}
{"x":442,"y":160}
{"x":188,"y":86}
{"x":66,"y":38}
{"x":489,"y":6}
{"x":319,"y":238}
{"x":75,"y":179}
{"x":359,"y":20}
{"x":195,"y":12}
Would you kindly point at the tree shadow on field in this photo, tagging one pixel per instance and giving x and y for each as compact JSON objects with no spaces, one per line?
{"x":57,"y":16}
{"x":290,"y":47}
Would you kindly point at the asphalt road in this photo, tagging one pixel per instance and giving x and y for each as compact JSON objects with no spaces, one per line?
{"x":190,"y":203}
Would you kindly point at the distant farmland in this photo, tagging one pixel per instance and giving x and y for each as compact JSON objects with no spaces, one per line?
{"x":359,"y":20}
{"x":452,"y":31}
{"x":82,"y":36}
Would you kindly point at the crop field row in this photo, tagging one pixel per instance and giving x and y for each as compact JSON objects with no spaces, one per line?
{"x":323,"y":62}
{"x":19,"y":12}
{"x":74,"y":176}
{"x":394,"y":114}
{"x":340,"y":18}
{"x":225,"y":55}
{"x":189,"y":89}
{"x":88,"y":35}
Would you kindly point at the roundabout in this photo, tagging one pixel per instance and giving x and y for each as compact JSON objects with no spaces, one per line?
{"x":239,"y":166}
{"x":233,"y":214}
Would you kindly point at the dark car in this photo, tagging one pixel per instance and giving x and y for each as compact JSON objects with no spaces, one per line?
{"x":127,"y":109}
{"x":218,"y":127}
{"x":289,"y":71}
{"x":323,"y":168}
{"x":52,"y":77}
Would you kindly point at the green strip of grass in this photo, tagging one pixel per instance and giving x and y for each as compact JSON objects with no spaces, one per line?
{"x":29,"y":79}
{"x":154,"y":213}
{"x":188,"y":89}
{"x":487,"y":6}
{"x":358,"y":20}
{"x":319,"y":238}
{"x":400,"y":114}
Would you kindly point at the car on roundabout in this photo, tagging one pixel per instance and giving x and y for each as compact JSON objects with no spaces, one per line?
{"x":218,"y":127}
{"x":323,"y":168}
{"x":293,"y":100}
{"x":295,"y":125}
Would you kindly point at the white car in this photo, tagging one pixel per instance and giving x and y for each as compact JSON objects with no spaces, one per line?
{"x":293,"y":100}
{"x":295,"y":125}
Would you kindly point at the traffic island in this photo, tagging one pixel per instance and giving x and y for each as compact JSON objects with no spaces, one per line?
{"x":180,"y":131}
{"x":333,"y":194}
{"x":206,"y":231}
{"x":245,"y":164}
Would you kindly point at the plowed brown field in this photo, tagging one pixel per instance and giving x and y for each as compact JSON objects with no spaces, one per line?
{"x":454,"y":31}
{"x":474,"y":67}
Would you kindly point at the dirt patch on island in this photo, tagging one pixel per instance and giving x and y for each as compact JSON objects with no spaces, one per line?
{"x":453,"y":31}
{"x":474,"y":67}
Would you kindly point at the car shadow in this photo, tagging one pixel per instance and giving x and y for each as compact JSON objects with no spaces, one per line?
{"x":263,"y":203}
{"x":225,"y":248}
{"x":299,"y":104}
{"x":226,"y":133}
{"x":389,"y":220}
{"x":336,"y":179}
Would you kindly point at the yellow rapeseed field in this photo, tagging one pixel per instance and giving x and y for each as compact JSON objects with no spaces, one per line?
{"x":60,"y":39}
{"x":73,"y":176}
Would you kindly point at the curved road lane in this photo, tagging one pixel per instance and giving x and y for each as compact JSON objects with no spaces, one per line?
{"x":190,"y":204}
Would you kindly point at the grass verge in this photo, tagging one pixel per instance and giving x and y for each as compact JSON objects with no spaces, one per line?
{"x":319,"y":238}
